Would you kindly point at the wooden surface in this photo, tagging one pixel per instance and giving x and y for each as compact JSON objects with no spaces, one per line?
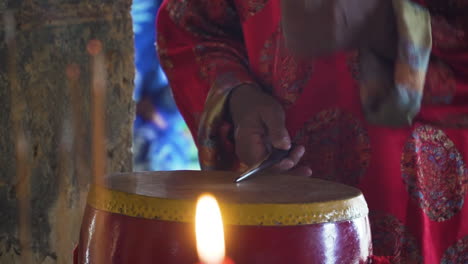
{"x":187,"y":185}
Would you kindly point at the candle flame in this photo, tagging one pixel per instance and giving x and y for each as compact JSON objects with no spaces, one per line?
{"x":209,"y":230}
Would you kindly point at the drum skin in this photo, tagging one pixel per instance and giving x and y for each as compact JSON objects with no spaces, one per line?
{"x":124,"y":226}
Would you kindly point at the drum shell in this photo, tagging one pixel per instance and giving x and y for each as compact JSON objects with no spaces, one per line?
{"x":108,"y":237}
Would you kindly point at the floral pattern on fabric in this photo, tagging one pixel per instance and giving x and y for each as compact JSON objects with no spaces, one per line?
{"x":353,"y":145}
{"x":250,"y":7}
{"x":434,"y":173}
{"x":440,"y":84}
{"x":203,"y":17}
{"x":457,"y":253}
{"x":448,"y":35}
{"x":280,"y":70}
{"x":341,"y":148}
{"x":391,"y":238}
{"x":214,"y":57}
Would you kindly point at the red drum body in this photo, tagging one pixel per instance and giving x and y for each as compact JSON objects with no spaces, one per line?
{"x":149,"y":218}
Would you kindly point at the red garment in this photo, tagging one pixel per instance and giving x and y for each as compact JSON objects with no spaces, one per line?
{"x":380,"y":260}
{"x":414,"y":179}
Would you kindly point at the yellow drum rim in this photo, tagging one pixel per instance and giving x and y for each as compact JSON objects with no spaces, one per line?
{"x":247,"y":214}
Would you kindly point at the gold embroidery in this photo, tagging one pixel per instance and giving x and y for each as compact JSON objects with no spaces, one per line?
{"x":234,"y":214}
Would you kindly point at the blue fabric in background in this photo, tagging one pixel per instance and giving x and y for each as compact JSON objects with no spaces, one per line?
{"x":164,"y":144}
{"x":149,"y":78}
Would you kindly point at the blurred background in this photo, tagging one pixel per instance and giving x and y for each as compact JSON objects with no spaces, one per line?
{"x":161,"y":139}
{"x":74,"y":108}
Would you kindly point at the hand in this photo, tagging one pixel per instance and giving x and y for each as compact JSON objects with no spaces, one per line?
{"x":318,"y":27}
{"x":260,"y":125}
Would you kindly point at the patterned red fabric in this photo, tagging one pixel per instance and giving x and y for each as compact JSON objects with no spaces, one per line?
{"x":380,"y":260}
{"x":415,"y":178}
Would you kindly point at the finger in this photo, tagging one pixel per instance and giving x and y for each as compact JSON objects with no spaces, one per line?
{"x":286,"y":168}
{"x":285,"y":165}
{"x":274,"y":120}
{"x":302,"y":171}
{"x":296,"y":154}
{"x":292,"y":160}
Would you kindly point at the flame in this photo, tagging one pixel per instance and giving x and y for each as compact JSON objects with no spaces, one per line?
{"x":209,"y":230}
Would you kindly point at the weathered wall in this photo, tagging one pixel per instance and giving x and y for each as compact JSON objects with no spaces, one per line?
{"x":51,"y":35}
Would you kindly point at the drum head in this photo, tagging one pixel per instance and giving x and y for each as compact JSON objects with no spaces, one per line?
{"x":188,"y":185}
{"x":263,"y":200}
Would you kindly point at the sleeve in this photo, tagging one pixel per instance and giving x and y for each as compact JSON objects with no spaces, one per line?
{"x":391,"y":93}
{"x":201,"y":49}
{"x":424,"y":82}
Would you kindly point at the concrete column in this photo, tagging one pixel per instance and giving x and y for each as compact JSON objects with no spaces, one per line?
{"x":46,"y":69}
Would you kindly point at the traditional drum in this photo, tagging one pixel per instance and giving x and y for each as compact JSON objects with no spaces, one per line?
{"x":149,"y":218}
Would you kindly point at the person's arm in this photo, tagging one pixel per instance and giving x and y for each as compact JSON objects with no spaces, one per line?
{"x":394,"y":40}
{"x":201,"y":48}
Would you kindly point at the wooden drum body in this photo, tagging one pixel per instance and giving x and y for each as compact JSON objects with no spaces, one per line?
{"x":149,"y":218}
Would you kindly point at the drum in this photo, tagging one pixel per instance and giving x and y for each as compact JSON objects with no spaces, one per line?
{"x":149,"y":218}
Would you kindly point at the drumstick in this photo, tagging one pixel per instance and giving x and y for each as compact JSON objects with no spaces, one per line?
{"x":23,"y":169}
{"x":270,"y":160}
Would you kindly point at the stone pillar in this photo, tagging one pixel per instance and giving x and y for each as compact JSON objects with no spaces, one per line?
{"x":45,"y":80}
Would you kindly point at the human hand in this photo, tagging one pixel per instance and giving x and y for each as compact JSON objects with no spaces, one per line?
{"x":260,"y":125}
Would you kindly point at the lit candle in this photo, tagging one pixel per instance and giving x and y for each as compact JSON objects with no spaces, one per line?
{"x":209,"y":232}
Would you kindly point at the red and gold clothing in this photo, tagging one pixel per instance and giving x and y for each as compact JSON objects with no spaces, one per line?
{"x":414,"y":178}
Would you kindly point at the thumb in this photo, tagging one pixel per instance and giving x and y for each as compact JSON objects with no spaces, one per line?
{"x":274,"y":121}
